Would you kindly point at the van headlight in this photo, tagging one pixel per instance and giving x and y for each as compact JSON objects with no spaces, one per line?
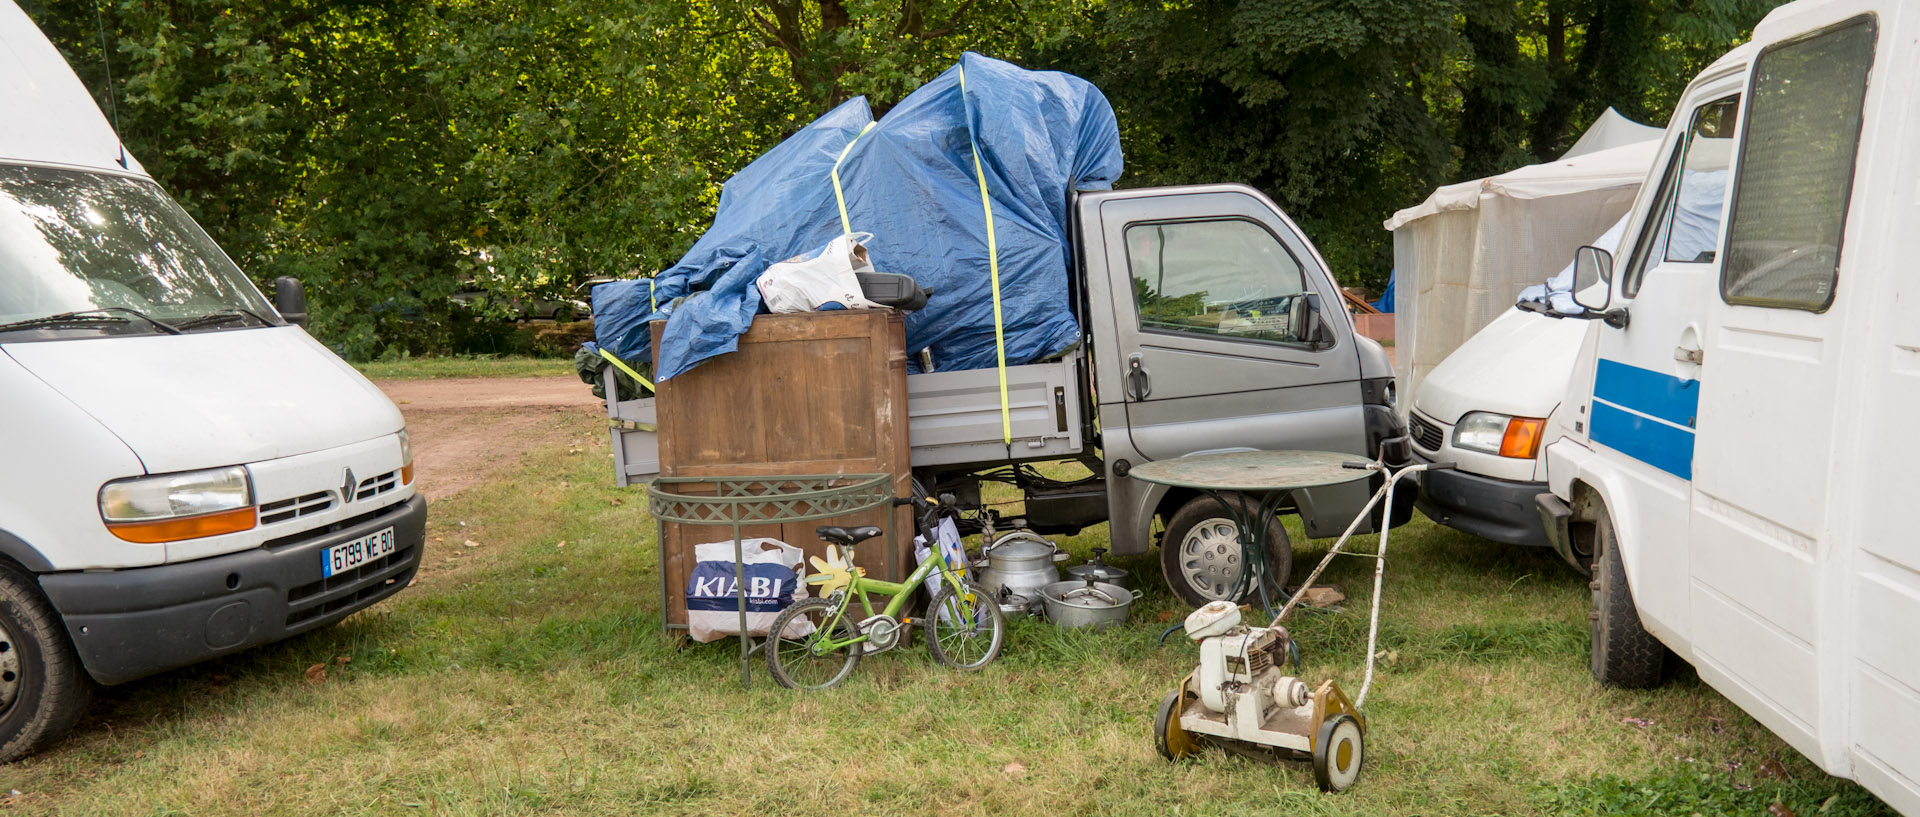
{"x":1490,"y":433}
{"x":173,"y":507}
{"x":406,"y":459}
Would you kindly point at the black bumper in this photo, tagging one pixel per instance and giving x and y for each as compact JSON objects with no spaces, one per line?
{"x":1489,"y":508}
{"x":128,"y":624}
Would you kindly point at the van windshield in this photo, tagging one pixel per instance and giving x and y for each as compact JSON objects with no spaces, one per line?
{"x":116,"y":250}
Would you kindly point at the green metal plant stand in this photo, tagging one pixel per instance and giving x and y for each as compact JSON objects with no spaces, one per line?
{"x":738,"y":502}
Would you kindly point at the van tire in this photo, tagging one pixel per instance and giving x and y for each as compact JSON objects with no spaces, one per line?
{"x":52,"y":688}
{"x":1206,"y":510}
{"x":1624,"y":653}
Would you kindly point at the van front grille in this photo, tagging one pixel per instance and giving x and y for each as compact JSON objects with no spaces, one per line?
{"x":295,"y":508}
{"x":1426,"y":434}
{"x":375,"y":486}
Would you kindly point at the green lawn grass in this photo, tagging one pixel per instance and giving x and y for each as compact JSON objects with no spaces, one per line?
{"x":430,"y":368}
{"x":522,"y":676}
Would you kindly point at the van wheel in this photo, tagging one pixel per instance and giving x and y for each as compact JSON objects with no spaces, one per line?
{"x":1624,"y":653}
{"x":1200,"y":553}
{"x":43,"y":689}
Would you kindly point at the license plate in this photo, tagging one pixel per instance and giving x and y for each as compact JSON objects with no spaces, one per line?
{"x":344,"y":557}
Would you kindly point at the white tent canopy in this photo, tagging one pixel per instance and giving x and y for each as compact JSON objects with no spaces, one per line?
{"x":1462,"y":256}
{"x":1611,"y":130}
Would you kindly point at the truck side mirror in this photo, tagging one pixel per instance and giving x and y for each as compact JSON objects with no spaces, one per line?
{"x":1310,"y":321}
{"x":290,"y":300}
{"x":1593,"y":267}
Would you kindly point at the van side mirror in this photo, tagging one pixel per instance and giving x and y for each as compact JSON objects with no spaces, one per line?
{"x":1593,"y":286}
{"x":1593,"y":267}
{"x":290,"y":300}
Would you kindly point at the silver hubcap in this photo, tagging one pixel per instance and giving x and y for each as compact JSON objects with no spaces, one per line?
{"x":9,"y":670}
{"x":1210,"y":557}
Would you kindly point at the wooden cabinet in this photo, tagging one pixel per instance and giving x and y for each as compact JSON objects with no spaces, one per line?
{"x":805,"y":394}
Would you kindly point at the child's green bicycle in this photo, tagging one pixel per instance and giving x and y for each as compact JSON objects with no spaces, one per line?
{"x":964,"y":628}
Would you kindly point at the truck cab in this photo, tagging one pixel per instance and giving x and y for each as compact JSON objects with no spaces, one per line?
{"x":1215,"y":326}
{"x":1743,"y":404}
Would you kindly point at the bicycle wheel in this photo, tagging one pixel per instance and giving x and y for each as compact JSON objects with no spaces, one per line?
{"x":806,"y":662}
{"x":964,"y":634}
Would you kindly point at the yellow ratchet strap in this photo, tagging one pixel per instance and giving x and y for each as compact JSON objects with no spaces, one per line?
{"x":993,"y":270}
{"x":846,"y":225}
{"x":644,"y":383}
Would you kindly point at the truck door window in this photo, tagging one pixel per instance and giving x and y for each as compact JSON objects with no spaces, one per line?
{"x":1686,"y":226}
{"x":1228,"y":278}
{"x":1796,"y":169}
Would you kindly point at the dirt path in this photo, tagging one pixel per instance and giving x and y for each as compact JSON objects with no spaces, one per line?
{"x":466,"y":430}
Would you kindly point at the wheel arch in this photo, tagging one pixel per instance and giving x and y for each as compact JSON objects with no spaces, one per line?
{"x":27,"y":556}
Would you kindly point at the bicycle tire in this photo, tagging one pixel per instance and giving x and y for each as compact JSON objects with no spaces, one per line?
{"x":795,"y":648}
{"x":987,"y":613}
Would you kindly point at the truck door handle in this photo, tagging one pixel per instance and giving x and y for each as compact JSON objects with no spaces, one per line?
{"x":1685,"y":355}
{"x":1139,"y":381}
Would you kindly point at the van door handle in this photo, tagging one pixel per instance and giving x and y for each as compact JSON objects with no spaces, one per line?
{"x":1139,"y":381}
{"x":1685,"y":355}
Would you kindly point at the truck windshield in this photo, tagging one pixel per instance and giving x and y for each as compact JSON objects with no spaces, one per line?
{"x":110,"y":247}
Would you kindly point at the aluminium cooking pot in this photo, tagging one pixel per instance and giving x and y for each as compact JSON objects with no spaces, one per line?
{"x":1087,"y":603}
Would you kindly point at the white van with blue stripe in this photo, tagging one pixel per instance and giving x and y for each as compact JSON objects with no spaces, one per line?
{"x":1742,"y":432}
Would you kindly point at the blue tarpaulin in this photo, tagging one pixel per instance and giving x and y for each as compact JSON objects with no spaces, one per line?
{"x":911,"y":180}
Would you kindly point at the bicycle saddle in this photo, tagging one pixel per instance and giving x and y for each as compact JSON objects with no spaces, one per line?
{"x":846,"y":537}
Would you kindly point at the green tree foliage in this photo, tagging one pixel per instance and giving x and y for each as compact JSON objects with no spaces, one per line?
{"x":1346,"y":110}
{"x":388,"y":152}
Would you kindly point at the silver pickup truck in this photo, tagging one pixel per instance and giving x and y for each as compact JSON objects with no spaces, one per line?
{"x":1210,"y":325}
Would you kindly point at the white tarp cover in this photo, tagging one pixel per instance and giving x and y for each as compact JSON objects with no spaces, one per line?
{"x":49,"y":118}
{"x":1462,"y":256}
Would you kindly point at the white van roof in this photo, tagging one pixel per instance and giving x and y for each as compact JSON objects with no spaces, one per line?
{"x":51,"y":118}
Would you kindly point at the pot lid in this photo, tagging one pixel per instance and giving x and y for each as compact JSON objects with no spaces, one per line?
{"x":1098,"y":569}
{"x":1014,"y":602}
{"x":1088,"y":594}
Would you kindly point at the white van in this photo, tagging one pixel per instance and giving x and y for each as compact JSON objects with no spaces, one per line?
{"x":183,"y":474}
{"x":1744,"y":414}
{"x":1488,"y":408}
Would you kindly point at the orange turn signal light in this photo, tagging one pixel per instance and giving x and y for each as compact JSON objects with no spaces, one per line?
{"x":186,"y":527}
{"x":406,"y":474}
{"x":1522,"y":439}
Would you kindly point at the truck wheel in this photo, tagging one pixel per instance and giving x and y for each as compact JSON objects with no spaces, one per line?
{"x":43,"y":689}
{"x":1201,"y":554}
{"x":1624,"y":653}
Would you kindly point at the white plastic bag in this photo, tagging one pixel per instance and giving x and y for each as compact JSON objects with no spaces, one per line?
{"x":950,"y":549}
{"x":808,"y":281}
{"x":775,"y":574}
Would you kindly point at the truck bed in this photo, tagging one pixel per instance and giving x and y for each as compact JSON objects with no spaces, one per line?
{"x":953,"y":418}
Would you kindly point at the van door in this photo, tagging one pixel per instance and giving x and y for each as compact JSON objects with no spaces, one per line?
{"x":1764,"y":446}
{"x":1207,"y":290}
{"x":1871,"y":545}
{"x":1646,"y":377}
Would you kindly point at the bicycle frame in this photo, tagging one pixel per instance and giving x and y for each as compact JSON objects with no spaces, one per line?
{"x":900,"y":591}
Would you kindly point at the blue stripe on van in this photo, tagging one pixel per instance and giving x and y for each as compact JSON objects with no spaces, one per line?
{"x":1651,"y":393}
{"x":1657,"y":444}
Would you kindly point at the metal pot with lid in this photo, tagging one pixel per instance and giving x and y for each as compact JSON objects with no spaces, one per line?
{"x":1099,"y":571}
{"x":1020,"y":562}
{"x":1087,"y":603}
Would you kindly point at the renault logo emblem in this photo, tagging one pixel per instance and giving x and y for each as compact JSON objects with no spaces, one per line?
{"x":346,"y":487}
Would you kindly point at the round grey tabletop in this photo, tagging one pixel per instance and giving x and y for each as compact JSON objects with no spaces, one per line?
{"x":1252,"y":470}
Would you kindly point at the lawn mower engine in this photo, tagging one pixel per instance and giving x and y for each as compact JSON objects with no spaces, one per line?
{"x":1241,"y":699}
